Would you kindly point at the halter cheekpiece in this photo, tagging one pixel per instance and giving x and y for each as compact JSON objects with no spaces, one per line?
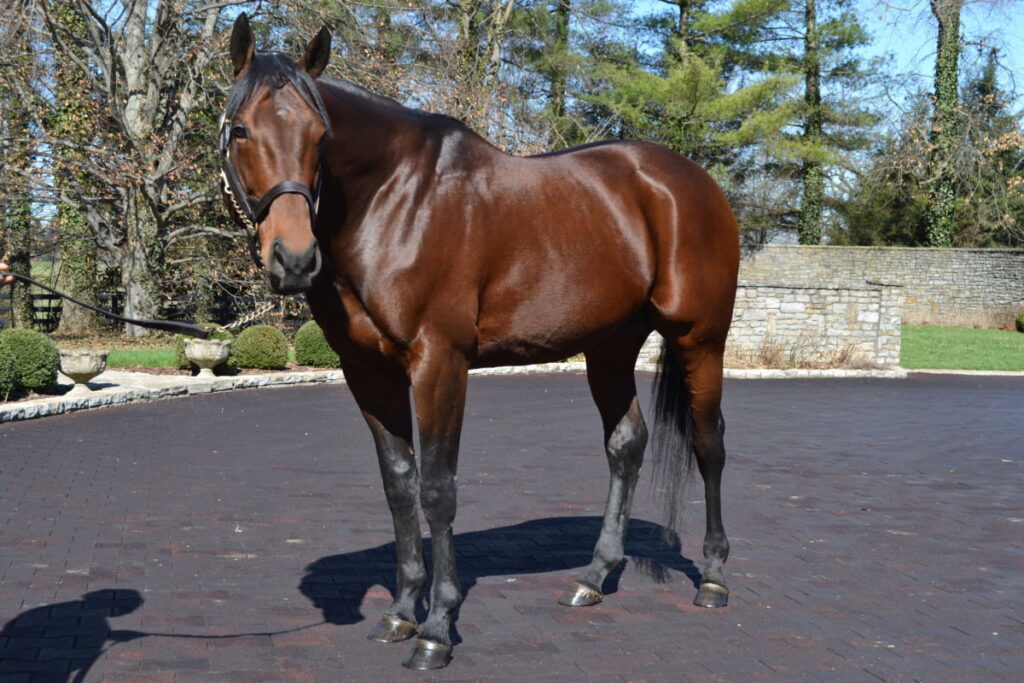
{"x":252,"y":210}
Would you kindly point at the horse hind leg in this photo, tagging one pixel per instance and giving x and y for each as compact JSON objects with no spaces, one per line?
{"x":613,"y":386}
{"x":695,"y":372}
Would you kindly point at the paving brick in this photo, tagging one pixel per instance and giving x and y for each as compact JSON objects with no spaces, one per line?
{"x":862,"y":546}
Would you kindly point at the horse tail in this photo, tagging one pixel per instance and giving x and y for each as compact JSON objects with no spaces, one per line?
{"x":672,"y":438}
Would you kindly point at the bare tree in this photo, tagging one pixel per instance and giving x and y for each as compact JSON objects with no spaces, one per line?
{"x":149,"y":63}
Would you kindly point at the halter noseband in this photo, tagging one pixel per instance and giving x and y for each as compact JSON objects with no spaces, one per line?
{"x":251,"y":211}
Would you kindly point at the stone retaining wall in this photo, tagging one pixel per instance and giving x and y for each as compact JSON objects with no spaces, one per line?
{"x":813,"y":322}
{"x":818,"y":321}
{"x":979,"y":287}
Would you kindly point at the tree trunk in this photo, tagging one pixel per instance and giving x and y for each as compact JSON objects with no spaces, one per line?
{"x":467,"y":67}
{"x":942,"y":205}
{"x":812,"y":174}
{"x":74,"y":122}
{"x":141,"y":266}
{"x":682,"y":31}
{"x":557,"y":71}
{"x":17,"y":231}
{"x":78,"y":270}
{"x":15,"y":211}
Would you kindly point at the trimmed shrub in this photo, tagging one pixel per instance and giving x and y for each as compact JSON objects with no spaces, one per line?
{"x":228,"y":367}
{"x":1020,"y":321}
{"x":36,"y":360}
{"x":8,"y":374}
{"x":261,"y":347}
{"x":311,"y":347}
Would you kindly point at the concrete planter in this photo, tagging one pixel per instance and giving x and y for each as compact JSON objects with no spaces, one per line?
{"x":207,"y":354}
{"x":82,"y":365}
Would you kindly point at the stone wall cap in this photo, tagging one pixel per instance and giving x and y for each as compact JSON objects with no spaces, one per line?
{"x":859,"y":286}
{"x":840,"y":247}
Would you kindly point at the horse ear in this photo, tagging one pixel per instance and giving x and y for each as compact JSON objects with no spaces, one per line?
{"x":317,"y":53}
{"x":243,"y":44}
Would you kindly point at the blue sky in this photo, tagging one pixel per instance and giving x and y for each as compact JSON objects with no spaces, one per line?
{"x":906,"y":30}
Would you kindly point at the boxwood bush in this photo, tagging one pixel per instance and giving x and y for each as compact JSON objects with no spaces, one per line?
{"x":261,"y":347}
{"x":311,"y":347}
{"x":36,"y":360}
{"x":8,"y":374}
{"x":228,"y":367}
{"x":1020,"y":321}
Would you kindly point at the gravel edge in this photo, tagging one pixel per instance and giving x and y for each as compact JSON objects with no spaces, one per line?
{"x":121,"y":388}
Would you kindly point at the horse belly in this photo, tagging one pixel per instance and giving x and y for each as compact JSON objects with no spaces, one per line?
{"x":556,"y":315}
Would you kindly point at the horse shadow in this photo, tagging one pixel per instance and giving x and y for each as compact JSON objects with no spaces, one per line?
{"x":338,"y":584}
{"x":60,"y":642}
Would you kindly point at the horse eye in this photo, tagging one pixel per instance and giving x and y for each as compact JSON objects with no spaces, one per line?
{"x":239,"y":132}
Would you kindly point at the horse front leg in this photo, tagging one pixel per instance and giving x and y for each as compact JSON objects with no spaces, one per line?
{"x":439,"y":391}
{"x":384,"y":402}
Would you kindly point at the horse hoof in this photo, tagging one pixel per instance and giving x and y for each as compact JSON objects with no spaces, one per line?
{"x":392,"y":630}
{"x":428,"y":654}
{"x":712,"y":595}
{"x":580,"y":596}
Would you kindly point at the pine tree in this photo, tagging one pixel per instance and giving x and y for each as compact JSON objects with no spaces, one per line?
{"x":826,"y":37}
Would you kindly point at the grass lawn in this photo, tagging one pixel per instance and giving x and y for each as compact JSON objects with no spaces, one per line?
{"x":153,"y":358}
{"x":150,"y":358}
{"x":961,"y":348}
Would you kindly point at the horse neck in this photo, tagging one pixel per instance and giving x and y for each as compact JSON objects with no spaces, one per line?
{"x":369,"y":140}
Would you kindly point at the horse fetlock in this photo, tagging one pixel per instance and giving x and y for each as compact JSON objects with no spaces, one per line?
{"x":716,"y":549}
{"x":445,"y":596}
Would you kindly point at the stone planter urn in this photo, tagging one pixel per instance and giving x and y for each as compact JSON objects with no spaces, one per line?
{"x":81,"y":365}
{"x":207,"y":353}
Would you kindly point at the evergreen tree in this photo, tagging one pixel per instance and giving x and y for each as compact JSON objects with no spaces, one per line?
{"x":818,"y":41}
{"x":687,"y":98}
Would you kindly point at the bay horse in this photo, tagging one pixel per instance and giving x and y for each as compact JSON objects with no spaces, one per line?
{"x":424,"y":252}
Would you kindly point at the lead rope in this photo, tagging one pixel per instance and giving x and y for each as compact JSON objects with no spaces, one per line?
{"x":190,"y":329}
{"x":257,"y":313}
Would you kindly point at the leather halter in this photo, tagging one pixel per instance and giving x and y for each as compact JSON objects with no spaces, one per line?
{"x":250,"y":211}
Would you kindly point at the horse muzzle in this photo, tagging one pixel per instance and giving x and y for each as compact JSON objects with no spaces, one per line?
{"x":291,"y":273}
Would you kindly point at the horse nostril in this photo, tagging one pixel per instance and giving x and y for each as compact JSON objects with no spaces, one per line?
{"x":284,"y":262}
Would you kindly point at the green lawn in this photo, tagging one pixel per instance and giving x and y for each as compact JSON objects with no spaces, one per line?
{"x":961,"y":348}
{"x":150,"y":358}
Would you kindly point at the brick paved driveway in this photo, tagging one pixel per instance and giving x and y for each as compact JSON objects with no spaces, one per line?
{"x":877,"y":529}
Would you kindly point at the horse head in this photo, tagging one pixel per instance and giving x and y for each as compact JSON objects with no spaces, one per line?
{"x":270,"y":139}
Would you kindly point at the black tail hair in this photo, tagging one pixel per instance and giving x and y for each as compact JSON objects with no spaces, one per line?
{"x":672,"y":442}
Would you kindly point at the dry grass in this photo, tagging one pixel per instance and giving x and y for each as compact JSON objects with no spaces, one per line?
{"x":800,"y":354}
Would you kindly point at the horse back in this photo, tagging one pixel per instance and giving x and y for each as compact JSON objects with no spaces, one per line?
{"x":521,"y":260}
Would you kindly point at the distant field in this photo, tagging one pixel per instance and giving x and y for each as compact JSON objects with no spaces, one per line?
{"x":961,"y":348}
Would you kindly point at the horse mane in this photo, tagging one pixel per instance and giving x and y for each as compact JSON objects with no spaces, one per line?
{"x":357,"y":92}
{"x":275,"y":70}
